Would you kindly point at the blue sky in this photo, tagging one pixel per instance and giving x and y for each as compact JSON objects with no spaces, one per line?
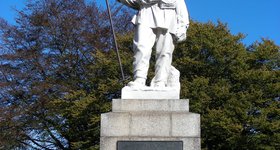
{"x":254,"y":18}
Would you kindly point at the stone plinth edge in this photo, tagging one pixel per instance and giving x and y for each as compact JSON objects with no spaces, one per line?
{"x":150,"y":93}
{"x":136,"y":105}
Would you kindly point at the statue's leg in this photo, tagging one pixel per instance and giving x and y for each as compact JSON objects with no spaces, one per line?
{"x":143,"y":42}
{"x":164,"y":49}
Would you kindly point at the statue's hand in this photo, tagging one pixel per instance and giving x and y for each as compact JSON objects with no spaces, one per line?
{"x":134,"y":4}
{"x":153,"y":1}
{"x":149,"y":2}
{"x":181,"y":34}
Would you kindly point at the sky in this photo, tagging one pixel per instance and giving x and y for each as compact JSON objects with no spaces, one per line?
{"x":255,"y":18}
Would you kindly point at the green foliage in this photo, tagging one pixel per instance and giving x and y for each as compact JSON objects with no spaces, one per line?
{"x":234,"y":88}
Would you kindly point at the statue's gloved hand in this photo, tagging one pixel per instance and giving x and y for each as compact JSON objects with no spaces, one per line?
{"x":153,"y":1}
{"x":182,"y":15}
{"x":149,"y":2}
{"x":134,"y":4}
{"x":181,"y":34}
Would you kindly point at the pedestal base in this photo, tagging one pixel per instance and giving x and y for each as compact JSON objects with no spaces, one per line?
{"x":157,"y":120}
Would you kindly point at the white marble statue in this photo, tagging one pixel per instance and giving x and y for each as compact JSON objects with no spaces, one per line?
{"x":159,"y":23}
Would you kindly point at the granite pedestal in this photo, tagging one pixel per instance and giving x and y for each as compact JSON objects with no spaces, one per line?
{"x":155,"y":123}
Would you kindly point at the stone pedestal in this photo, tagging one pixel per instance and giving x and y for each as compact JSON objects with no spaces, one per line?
{"x":153,"y":122}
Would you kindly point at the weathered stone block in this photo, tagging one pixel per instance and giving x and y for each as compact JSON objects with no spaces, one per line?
{"x":166,"y":105}
{"x":185,"y":124}
{"x":115,"y":124}
{"x":154,"y":124}
{"x":150,"y":124}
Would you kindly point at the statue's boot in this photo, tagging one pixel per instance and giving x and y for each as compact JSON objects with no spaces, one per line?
{"x":159,"y":85}
{"x":138,"y":82}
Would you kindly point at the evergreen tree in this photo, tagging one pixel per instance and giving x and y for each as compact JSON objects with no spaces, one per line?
{"x":234,"y":88}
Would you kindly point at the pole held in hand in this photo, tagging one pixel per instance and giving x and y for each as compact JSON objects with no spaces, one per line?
{"x":115,"y":39}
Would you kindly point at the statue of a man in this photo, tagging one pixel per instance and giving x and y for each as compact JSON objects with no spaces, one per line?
{"x":159,"y":23}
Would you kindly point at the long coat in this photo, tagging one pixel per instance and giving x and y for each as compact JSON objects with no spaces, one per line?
{"x":167,"y":14}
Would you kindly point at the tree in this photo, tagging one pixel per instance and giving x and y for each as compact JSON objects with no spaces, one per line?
{"x":234,"y":88}
{"x":52,"y":74}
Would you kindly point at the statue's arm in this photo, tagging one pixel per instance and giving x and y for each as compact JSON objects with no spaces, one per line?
{"x":182,"y":20}
{"x":182,"y":13}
